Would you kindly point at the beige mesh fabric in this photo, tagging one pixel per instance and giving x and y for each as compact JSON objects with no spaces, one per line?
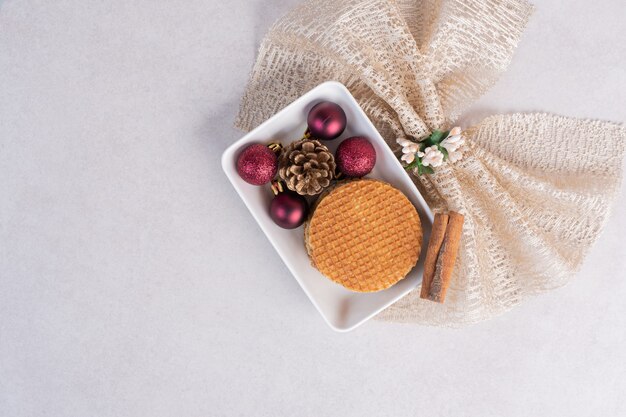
{"x":535,"y":189}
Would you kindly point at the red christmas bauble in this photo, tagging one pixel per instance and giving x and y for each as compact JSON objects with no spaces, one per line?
{"x":355,"y":157}
{"x":326,"y":120}
{"x":289,"y":210}
{"x":257,"y":164}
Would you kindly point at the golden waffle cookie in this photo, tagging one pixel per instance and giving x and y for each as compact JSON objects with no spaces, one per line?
{"x":365,"y":235}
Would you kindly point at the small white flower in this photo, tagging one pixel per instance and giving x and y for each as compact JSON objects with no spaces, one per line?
{"x":403,"y":142}
{"x":407,"y":145}
{"x":432,"y":157}
{"x":455,"y":131}
{"x":408,"y":157}
{"x":454,"y":140}
{"x":409,"y":150}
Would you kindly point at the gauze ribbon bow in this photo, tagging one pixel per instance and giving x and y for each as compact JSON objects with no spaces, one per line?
{"x":535,"y":189}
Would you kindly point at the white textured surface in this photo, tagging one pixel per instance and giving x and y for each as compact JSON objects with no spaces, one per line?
{"x":134,"y":282}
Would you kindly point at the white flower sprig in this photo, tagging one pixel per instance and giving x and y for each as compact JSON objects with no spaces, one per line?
{"x":453,"y":143}
{"x":432,"y":156}
{"x":432,"y":151}
{"x":409,"y":150}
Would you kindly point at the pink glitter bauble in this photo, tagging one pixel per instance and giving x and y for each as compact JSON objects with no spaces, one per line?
{"x":289,"y":210}
{"x":355,"y":157}
{"x":257,"y":164}
{"x":326,"y":120}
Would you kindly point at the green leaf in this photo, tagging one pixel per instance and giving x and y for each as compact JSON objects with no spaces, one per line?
{"x":427,"y":170}
{"x":437,"y":136}
{"x":413,"y":164}
{"x":426,"y":143}
{"x":421,"y":169}
{"x":444,"y":151}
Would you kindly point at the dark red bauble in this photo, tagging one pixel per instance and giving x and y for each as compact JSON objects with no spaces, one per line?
{"x":326,"y":120}
{"x":355,"y":157}
{"x":257,"y":164}
{"x":289,"y":210}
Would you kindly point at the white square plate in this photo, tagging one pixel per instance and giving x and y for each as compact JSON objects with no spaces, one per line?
{"x":343,"y":310}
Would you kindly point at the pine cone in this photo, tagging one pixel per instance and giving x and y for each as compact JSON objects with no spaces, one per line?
{"x":306,"y":166}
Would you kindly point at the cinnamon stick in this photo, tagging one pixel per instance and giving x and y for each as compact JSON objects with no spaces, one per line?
{"x":437,"y":235}
{"x":437,"y":274}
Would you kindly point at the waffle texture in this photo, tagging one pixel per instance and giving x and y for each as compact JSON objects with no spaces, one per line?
{"x":365,"y":235}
